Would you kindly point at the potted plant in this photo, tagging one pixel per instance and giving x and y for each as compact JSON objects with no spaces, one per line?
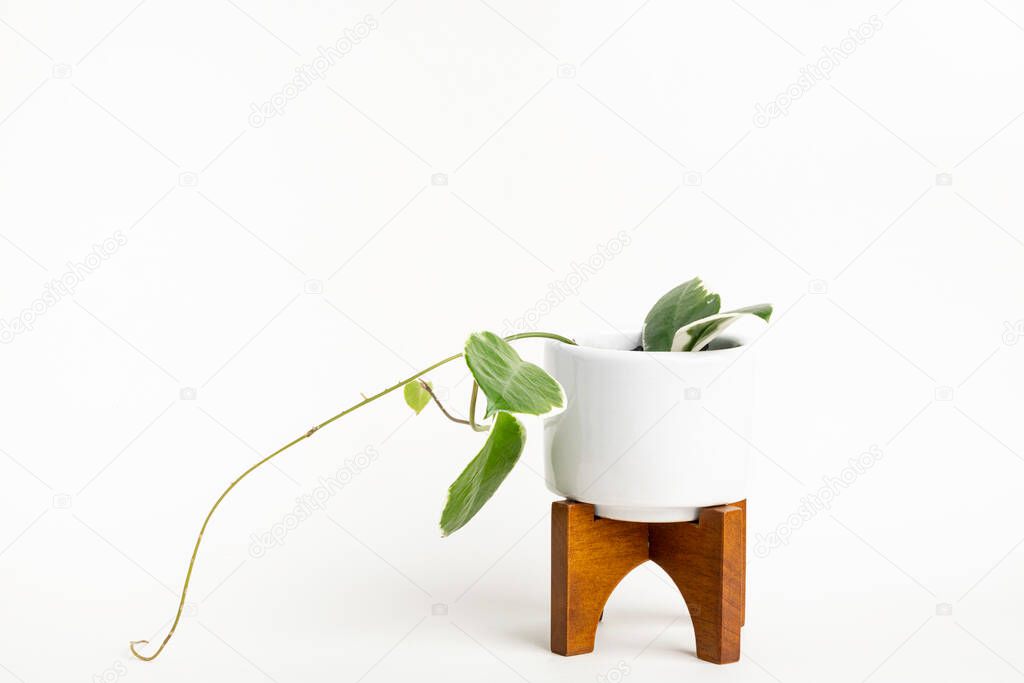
{"x":611,"y":394}
{"x":635,"y":439}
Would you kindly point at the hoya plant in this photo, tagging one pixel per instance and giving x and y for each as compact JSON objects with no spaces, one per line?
{"x":686,"y":319}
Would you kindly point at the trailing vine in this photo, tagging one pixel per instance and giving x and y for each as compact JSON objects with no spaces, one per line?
{"x":413,"y":378}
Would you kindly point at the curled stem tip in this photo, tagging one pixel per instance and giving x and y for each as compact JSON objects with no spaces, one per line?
{"x":139,"y":655}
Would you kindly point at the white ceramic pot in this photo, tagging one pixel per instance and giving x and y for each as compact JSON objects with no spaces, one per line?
{"x":649,"y":437}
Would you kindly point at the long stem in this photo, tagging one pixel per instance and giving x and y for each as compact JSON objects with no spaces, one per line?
{"x":243,"y":475}
{"x":311,"y":432}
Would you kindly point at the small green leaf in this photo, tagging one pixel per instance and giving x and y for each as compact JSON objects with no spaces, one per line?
{"x":416,"y":397}
{"x":484,"y":473}
{"x":699,"y":333}
{"x":509,"y":382}
{"x":683,"y":305}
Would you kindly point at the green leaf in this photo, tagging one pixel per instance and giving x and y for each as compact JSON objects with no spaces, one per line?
{"x":509,"y":382}
{"x":681,"y":306}
{"x":699,"y":333}
{"x":416,"y":397}
{"x":484,"y":473}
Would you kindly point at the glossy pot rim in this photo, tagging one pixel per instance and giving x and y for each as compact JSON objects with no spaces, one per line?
{"x":618,"y":346}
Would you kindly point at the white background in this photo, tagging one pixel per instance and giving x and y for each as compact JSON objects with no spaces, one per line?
{"x":558,"y":126}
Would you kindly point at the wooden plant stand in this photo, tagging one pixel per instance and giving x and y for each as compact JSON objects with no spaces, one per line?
{"x":706,"y":559}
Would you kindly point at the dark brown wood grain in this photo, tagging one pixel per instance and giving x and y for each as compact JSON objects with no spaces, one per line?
{"x":706,"y":559}
{"x":589,"y":556}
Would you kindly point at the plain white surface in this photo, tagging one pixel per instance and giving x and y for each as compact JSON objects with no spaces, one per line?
{"x":649,"y":437}
{"x":269,"y":274}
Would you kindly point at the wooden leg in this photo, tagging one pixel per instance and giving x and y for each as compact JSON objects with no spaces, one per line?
{"x":589,"y":556}
{"x":706,"y":562}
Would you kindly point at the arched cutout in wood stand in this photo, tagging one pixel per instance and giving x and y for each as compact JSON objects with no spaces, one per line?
{"x":706,"y":559}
